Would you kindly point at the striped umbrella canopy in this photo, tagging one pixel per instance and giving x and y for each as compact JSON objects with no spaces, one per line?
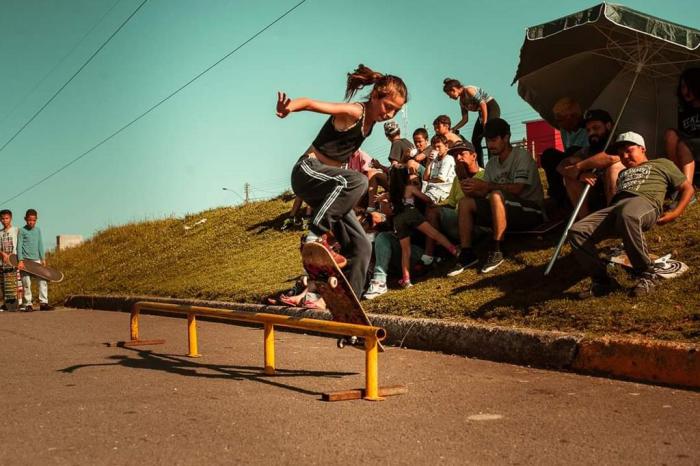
{"x":610,"y":57}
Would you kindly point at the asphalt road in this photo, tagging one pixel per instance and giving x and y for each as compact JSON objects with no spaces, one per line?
{"x":68,"y":398}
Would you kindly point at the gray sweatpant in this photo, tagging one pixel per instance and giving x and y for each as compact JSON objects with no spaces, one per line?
{"x":628,"y":217}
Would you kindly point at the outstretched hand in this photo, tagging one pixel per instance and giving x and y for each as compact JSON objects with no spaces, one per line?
{"x":283,"y":108}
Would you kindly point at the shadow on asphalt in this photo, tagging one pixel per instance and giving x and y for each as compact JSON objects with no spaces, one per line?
{"x":190,"y":368}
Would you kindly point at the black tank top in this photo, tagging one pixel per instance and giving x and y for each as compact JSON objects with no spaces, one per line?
{"x":340,"y":145}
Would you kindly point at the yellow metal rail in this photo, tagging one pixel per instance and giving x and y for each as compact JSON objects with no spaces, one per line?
{"x":371,"y":335}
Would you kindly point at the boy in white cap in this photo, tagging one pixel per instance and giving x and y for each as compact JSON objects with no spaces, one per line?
{"x":635,"y":208}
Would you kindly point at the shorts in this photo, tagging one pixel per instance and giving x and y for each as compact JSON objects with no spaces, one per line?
{"x":406,"y":221}
{"x":449,"y":222}
{"x":521,"y":214}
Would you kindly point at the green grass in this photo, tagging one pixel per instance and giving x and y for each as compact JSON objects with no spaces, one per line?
{"x":239,"y":254}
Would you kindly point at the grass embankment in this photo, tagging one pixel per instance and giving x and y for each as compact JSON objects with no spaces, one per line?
{"x":239,"y":254}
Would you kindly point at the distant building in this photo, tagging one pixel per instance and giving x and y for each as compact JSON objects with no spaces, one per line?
{"x":541,"y":136}
{"x":68,"y":241}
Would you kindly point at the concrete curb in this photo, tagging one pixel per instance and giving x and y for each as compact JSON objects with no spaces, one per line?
{"x":649,"y":361}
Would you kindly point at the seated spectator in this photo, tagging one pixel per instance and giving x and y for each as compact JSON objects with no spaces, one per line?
{"x":440,"y":172}
{"x":683,"y":144}
{"x":569,"y":121}
{"x":401,"y":149}
{"x":591,"y":165}
{"x":416,"y":164}
{"x":636,"y":207}
{"x":443,"y":126}
{"x":444,"y":216}
{"x":403,"y":194}
{"x":509,"y":197}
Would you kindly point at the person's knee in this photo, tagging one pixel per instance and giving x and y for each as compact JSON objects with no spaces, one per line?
{"x":496,"y":199}
{"x":671,"y":135}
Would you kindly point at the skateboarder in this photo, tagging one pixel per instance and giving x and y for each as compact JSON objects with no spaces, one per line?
{"x":30,"y":247}
{"x":8,"y":241}
{"x":319,"y":176}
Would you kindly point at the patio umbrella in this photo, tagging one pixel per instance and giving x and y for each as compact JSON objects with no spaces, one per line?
{"x":610,"y":57}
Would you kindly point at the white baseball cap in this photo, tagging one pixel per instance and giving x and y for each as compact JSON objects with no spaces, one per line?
{"x":629,"y":137}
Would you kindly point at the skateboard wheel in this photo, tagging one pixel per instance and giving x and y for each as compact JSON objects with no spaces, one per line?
{"x":333,"y":282}
{"x":341,"y":343}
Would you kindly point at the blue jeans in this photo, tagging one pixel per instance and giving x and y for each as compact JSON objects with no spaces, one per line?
{"x":387,"y":255}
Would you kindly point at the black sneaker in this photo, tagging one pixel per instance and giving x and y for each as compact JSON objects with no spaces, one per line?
{"x":465,"y":260}
{"x":46,"y":307}
{"x":28,"y":308}
{"x":494,"y":259}
{"x":648,"y":281}
{"x":598,"y":288}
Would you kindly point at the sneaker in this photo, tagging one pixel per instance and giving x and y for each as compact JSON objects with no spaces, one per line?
{"x":494,"y":259}
{"x":287,"y":224}
{"x":46,"y":307}
{"x":405,"y":283}
{"x":313,"y":301}
{"x":27,"y":308}
{"x":598,"y":288}
{"x":427,"y":260}
{"x":465,"y":260}
{"x":376,"y":288}
{"x":648,"y":281}
{"x":339,"y":259}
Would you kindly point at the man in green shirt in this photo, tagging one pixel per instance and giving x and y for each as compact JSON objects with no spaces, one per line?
{"x":636,"y":207}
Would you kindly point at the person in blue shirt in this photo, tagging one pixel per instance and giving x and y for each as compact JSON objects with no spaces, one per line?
{"x":30,"y":247}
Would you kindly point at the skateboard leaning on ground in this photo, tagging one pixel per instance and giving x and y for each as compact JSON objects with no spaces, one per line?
{"x":664,"y":266}
{"x":331,"y":284}
{"x":10,"y":290}
{"x":38,"y":270}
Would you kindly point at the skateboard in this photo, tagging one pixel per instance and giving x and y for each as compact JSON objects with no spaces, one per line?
{"x":10,"y":289}
{"x":664,"y":266}
{"x":331,"y":284}
{"x":38,"y":270}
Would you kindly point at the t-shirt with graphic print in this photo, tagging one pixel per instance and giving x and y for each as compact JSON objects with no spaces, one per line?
{"x":518,"y":167}
{"x":651,"y":179}
{"x":8,"y":240}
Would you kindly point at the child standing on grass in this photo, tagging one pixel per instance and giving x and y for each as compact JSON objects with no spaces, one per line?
{"x":320,"y":178}
{"x":403,"y":193}
{"x":30,"y":247}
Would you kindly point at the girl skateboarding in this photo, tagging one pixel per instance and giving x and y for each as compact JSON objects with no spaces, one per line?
{"x":320,"y":178}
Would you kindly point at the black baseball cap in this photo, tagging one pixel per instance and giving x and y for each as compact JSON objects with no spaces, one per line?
{"x":496,"y":127}
{"x":461,"y":146}
{"x":597,"y":115}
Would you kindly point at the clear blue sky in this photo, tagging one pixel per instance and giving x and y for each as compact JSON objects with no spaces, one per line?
{"x":222,"y":131}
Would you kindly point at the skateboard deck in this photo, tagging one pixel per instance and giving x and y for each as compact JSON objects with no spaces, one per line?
{"x":38,"y":270}
{"x":10,"y":288}
{"x":331,"y":284}
{"x":664,"y":266}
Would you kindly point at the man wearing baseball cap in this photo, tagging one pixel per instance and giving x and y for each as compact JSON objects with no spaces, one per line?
{"x":510,"y":196}
{"x":592,"y":165}
{"x":443,"y":216}
{"x":636,"y":207}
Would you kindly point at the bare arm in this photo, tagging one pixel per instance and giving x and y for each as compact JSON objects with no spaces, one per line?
{"x":598,"y":161}
{"x":285,"y":106}
{"x":686,"y":193}
{"x":483,"y":109}
{"x":480,"y":188}
{"x":414,"y":191}
{"x":463,"y":121}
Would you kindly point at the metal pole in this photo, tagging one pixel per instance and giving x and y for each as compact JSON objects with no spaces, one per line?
{"x":192,"y":336}
{"x":134,"y":323}
{"x":638,"y":70}
{"x":371,"y":370}
{"x":269,"y":349}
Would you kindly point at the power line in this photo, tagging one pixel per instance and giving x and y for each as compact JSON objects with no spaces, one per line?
{"x":55,"y":172}
{"x":72,"y":77}
{"x":60,"y":62}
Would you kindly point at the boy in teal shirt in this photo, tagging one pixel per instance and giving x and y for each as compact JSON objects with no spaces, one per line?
{"x":31,"y":247}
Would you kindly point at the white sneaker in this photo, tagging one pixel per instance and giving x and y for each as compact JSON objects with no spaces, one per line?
{"x":376,"y":288}
{"x":426,"y":260}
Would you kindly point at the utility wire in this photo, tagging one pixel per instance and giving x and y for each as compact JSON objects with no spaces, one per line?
{"x":60,"y":62}
{"x":55,"y":172}
{"x":72,"y":77}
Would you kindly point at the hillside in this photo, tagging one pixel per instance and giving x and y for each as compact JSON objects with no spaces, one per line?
{"x":239,"y":254}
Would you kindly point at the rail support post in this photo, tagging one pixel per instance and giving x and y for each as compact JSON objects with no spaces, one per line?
{"x":269,"y":349}
{"x":192,"y":336}
{"x":371,"y":369}
{"x":134,"y":323}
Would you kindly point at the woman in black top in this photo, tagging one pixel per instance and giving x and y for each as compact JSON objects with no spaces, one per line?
{"x":320,"y":178}
{"x":683,"y":144}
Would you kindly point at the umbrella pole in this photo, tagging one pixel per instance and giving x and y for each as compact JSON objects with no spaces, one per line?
{"x":587,"y":188}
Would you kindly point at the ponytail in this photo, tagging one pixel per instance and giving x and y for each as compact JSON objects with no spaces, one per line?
{"x":450,"y":83}
{"x":384,"y":84}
